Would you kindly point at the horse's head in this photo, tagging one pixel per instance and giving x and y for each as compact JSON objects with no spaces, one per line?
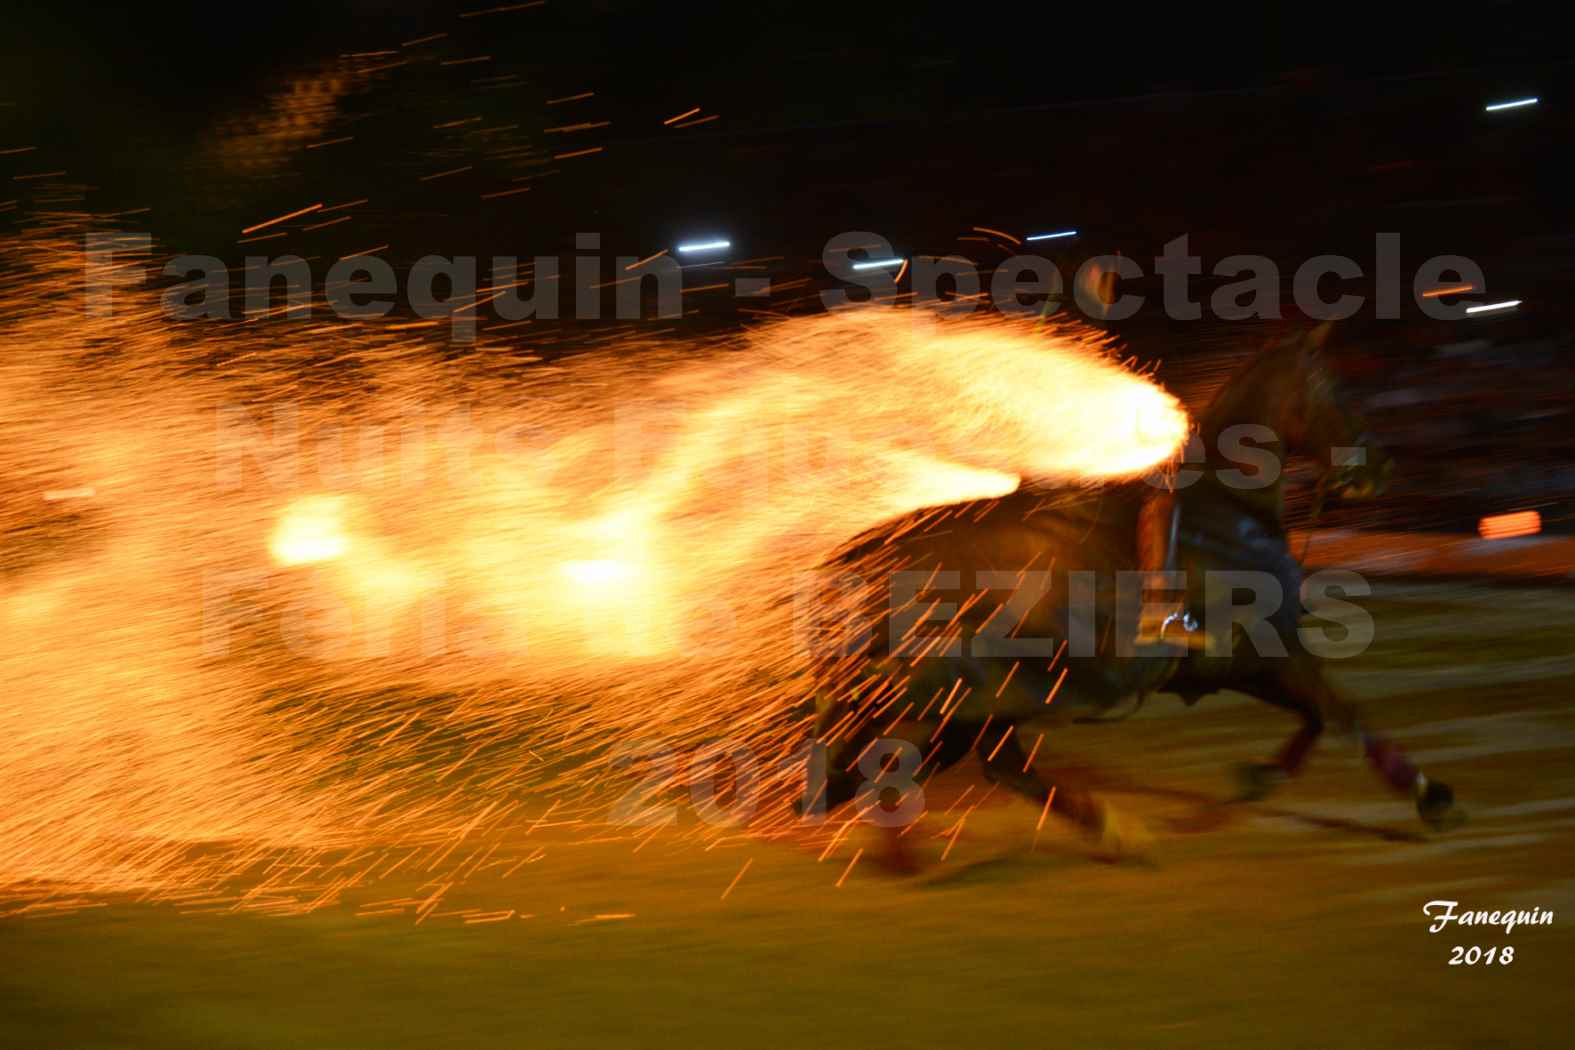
{"x":1331,"y":431}
{"x":1291,"y":389}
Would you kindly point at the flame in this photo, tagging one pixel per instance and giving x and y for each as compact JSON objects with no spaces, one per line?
{"x":311,"y":530}
{"x":599,"y":572}
{"x":259,"y":632}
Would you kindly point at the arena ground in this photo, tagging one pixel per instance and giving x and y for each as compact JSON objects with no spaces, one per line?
{"x":1293,"y":923}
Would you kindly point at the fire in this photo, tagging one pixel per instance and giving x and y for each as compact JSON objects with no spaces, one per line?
{"x":284,"y":631}
{"x":599,"y":572}
{"x":311,"y":530}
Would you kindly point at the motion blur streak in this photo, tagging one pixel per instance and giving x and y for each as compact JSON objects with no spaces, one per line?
{"x":328,"y":592}
{"x":1507,"y":526}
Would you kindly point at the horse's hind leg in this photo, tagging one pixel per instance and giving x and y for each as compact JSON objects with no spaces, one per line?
{"x":1302,"y":687}
{"x":1257,"y":780}
{"x":1005,"y":763}
{"x":846,"y":766}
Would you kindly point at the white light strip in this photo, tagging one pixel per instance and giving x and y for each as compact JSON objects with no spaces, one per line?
{"x":1515,"y":104}
{"x":1508,"y":304}
{"x":704,"y":246}
{"x":878,"y":264}
{"x":1051,"y":236}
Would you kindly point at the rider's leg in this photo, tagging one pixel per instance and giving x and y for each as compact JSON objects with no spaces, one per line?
{"x":1164,"y":613}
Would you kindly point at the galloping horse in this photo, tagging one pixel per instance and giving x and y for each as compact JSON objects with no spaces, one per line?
{"x":1033,"y":596}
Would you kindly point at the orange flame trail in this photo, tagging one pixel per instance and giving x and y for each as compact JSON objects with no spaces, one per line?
{"x":338,"y":593}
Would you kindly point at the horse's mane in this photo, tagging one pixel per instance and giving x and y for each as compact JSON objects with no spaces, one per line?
{"x":1270,"y":380}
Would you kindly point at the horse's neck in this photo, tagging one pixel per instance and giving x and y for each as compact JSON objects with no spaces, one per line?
{"x":1236,"y":448}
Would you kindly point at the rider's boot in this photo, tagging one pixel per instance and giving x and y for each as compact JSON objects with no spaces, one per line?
{"x":1166,"y":621}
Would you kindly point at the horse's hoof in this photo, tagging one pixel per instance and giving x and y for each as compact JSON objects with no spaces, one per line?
{"x":1123,"y":836}
{"x":1256,"y":781}
{"x":1435,"y":804}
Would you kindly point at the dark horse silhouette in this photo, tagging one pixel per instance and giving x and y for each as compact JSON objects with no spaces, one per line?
{"x":970,"y":619}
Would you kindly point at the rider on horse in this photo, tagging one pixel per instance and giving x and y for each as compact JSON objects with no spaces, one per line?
{"x":948,"y":694}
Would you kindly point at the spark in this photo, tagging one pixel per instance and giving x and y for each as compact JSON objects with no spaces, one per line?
{"x":849,"y":869}
{"x":1454,"y":289}
{"x":703,"y":246}
{"x":330,"y":222}
{"x":641,"y":262}
{"x":998,"y":233}
{"x":955,"y":835}
{"x":1043,"y":813}
{"x":1029,"y":764}
{"x":740,"y":875}
{"x":443,"y":174}
{"x":1051,"y":236}
{"x":1000,"y":743}
{"x":1512,"y":104}
{"x":1508,"y":304}
{"x":283,"y":218}
{"x":879,"y":264}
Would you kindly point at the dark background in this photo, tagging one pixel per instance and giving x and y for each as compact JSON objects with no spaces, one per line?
{"x":1286,"y":131}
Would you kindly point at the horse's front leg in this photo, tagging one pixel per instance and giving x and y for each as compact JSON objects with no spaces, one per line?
{"x":1257,"y":780}
{"x":1299,"y":684}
